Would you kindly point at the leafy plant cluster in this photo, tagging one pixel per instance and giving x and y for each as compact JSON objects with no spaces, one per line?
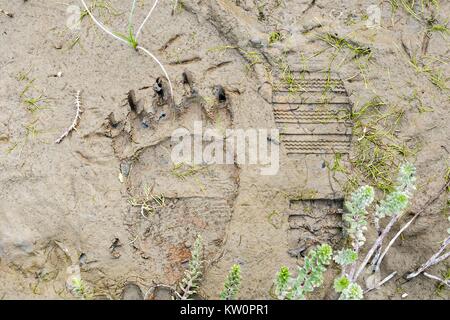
{"x":309,"y":276}
{"x":393,"y":206}
{"x":191,"y":281}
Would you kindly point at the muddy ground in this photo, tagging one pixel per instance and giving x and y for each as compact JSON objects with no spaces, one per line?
{"x":70,"y":204}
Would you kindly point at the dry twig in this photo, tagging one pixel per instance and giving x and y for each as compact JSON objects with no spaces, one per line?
{"x":75,"y":120}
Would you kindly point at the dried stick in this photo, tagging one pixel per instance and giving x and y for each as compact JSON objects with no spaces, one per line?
{"x":375,"y":246}
{"x":435,"y":259}
{"x":381,"y":283}
{"x":75,"y":120}
{"x":408,"y":224}
{"x":444,"y":282}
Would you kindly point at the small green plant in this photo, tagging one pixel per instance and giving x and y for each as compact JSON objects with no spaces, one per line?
{"x":356,"y":216}
{"x":346,"y":257}
{"x":232,"y":284}
{"x":442,"y":28}
{"x":414,"y":8}
{"x":438,"y":79}
{"x":351,"y":292}
{"x":309,"y":277}
{"x":377,"y":149}
{"x":340,"y":43}
{"x":80,"y":289}
{"x":274,"y":37}
{"x":130,"y":38}
{"x":393,"y":206}
{"x":193,"y":276}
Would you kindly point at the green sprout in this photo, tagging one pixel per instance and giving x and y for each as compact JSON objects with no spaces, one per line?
{"x":274,"y":37}
{"x":232,"y":284}
{"x":80,"y":289}
{"x":131,"y":39}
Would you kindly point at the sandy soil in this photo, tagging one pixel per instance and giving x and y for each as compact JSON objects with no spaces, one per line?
{"x":68,"y":204}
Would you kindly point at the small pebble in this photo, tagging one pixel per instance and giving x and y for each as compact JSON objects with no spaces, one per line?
{"x":125,"y":169}
{"x":256,"y":43}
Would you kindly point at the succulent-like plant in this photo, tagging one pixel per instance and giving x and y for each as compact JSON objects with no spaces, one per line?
{"x":397,"y":201}
{"x":352,"y":292}
{"x":393,"y":206}
{"x":80,"y":289}
{"x":282,"y":282}
{"x":309,"y":277}
{"x":232,"y":284}
{"x":346,"y":257}
{"x":193,"y":276}
{"x":356,"y":215}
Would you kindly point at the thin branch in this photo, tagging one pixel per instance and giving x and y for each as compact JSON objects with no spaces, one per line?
{"x":146,"y":18}
{"x":381,"y":283}
{"x":75,"y":120}
{"x":444,"y":282}
{"x":375,"y":246}
{"x":380,"y":247}
{"x":407,"y":225}
{"x":441,"y":258}
{"x":435,"y":259}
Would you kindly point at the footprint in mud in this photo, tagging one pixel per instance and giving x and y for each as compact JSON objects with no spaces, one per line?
{"x":172,"y":204}
{"x":312,"y":222}
{"x":132,"y":291}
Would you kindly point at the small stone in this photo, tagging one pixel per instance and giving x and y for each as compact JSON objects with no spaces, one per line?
{"x":405,"y":295}
{"x":125,"y":169}
{"x":256,"y":42}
